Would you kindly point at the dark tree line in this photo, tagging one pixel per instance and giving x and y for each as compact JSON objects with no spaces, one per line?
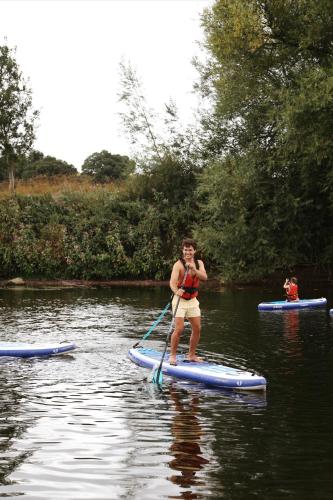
{"x":101,"y":167}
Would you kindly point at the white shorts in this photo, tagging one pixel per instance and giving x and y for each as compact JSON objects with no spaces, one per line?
{"x":186,"y":308}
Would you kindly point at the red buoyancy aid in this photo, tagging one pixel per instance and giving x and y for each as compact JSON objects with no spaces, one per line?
{"x":190,"y":285}
{"x":292,"y":293}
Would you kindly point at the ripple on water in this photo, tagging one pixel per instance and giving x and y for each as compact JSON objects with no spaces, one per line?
{"x":89,"y":425}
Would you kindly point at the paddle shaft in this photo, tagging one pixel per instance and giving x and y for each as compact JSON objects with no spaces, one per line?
{"x":156,"y":322}
{"x":171,"y":327}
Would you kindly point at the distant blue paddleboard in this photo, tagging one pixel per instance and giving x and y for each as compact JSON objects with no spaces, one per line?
{"x":23,"y":350}
{"x":294,"y":304}
{"x":211,"y":374}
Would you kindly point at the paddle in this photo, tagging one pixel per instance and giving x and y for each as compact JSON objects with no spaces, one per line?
{"x":156,"y":322}
{"x":157,"y":375}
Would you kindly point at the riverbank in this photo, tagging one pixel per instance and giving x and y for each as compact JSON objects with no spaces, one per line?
{"x":211,"y":284}
{"x":308,"y":276}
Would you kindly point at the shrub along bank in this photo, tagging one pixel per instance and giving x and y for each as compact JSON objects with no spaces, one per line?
{"x":103,"y":235}
{"x":96,"y":235}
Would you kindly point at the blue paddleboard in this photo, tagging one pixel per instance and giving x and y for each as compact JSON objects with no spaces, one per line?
{"x":294,"y":304}
{"x":23,"y":350}
{"x":211,"y":374}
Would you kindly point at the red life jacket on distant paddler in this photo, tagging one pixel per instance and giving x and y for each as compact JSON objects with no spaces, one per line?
{"x":292,"y":293}
{"x":191,"y":284}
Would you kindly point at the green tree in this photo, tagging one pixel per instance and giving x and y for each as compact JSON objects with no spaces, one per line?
{"x":106,"y":167}
{"x":267,"y":139}
{"x":17,"y":119}
{"x":166,"y":177}
{"x":39,"y":165}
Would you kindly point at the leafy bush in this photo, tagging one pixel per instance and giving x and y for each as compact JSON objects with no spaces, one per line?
{"x":94,"y":235}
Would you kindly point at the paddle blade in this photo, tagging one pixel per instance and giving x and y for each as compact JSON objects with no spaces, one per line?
{"x":157,"y":376}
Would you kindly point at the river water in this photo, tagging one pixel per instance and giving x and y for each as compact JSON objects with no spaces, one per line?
{"x":91,"y":425}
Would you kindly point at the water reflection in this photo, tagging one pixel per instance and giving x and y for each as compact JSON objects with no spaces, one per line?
{"x":291,"y":321}
{"x":187,"y":434}
{"x":194,"y":462}
{"x":291,"y":333}
{"x":285,"y":326}
{"x":13,"y":420}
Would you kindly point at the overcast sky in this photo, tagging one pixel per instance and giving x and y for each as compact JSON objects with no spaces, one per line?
{"x":71,"y":49}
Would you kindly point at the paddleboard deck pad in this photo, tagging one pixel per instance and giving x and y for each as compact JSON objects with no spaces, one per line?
{"x":208,"y":373}
{"x":295,"y":304}
{"x":24,"y":350}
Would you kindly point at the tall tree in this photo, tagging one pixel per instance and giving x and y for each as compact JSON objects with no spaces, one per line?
{"x":17,"y":119}
{"x":167,"y":166}
{"x":154,"y":135}
{"x":138,"y":119}
{"x":267,"y":141}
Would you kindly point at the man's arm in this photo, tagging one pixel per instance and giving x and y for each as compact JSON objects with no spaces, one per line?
{"x":174,"y":280}
{"x":201,"y":272}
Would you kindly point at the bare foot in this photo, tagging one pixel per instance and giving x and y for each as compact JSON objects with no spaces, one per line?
{"x":172,"y":360}
{"x":195,"y":359}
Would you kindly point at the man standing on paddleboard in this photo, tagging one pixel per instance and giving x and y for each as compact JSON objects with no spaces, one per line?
{"x":185,"y":303}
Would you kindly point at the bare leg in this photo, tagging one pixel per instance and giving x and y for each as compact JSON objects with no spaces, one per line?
{"x":179,"y":327}
{"x":194,"y":340}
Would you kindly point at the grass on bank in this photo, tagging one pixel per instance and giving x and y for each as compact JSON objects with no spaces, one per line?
{"x":55,"y":186}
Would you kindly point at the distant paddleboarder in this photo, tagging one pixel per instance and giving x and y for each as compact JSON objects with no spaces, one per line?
{"x":185,"y":295}
{"x":291,"y":288}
